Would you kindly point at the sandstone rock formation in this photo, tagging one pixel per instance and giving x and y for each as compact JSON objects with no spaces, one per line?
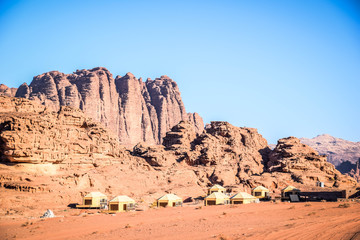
{"x":355,"y":171}
{"x":30,"y":133}
{"x":337,"y":150}
{"x":222,"y":154}
{"x":134,"y":110}
{"x":304,"y":164}
{"x":6,"y":91}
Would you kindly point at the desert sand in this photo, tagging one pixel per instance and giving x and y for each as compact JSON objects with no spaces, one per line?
{"x":315,"y":220}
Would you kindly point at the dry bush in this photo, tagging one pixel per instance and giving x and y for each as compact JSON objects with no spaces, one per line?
{"x":312,"y":213}
{"x":292,"y":207}
{"x":307,"y":205}
{"x":345,"y":205}
{"x":127,"y":226}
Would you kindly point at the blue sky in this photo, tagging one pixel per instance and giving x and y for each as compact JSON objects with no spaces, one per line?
{"x":287,"y":68}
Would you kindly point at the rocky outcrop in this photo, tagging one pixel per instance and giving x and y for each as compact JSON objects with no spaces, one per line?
{"x":221,"y":154}
{"x":31,"y":133}
{"x":304,"y":164}
{"x":6,"y":91}
{"x":337,"y":150}
{"x":134,"y":110}
{"x":355,"y":171}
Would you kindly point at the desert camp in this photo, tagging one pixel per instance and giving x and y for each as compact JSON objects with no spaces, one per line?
{"x":94,"y":200}
{"x":260,"y":192}
{"x":169,"y":200}
{"x":121,"y":203}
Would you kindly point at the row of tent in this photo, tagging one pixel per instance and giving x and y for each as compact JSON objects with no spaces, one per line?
{"x":216,"y":195}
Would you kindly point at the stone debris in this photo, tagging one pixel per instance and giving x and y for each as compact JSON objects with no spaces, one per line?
{"x":48,"y":214}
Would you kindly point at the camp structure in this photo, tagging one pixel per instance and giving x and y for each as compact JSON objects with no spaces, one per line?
{"x":216,"y":188}
{"x":290,"y":193}
{"x":121,"y":204}
{"x":216,"y":198}
{"x":169,"y":200}
{"x":260,"y":192}
{"x":243,"y":198}
{"x":94,"y":200}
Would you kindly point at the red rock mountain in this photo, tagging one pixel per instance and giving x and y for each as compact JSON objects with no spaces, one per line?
{"x":62,"y":155}
{"x":337,"y":150}
{"x":6,"y":91}
{"x":134,"y":110}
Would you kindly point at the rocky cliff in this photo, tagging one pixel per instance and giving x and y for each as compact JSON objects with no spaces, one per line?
{"x":6,"y":91}
{"x":304,"y":164}
{"x":337,"y":150}
{"x":134,"y":110}
{"x":222,"y":154}
{"x":30,"y":133}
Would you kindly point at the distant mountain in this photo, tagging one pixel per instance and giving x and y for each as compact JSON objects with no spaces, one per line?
{"x":345,"y":155}
{"x":338,"y":150}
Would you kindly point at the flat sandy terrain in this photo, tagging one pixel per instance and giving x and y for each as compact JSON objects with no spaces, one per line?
{"x":253,"y":221}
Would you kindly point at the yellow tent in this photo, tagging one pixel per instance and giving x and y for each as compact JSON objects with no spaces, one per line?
{"x":94,"y":200}
{"x":121,"y":204}
{"x":289,"y":190}
{"x":260,"y":192}
{"x":243,"y":198}
{"x":217,"y":198}
{"x":169,"y":200}
{"x":216,"y":188}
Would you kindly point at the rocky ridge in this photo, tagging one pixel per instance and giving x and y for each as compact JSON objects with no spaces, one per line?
{"x":337,"y":150}
{"x":64,"y":154}
{"x":6,"y":91}
{"x":134,"y":110}
{"x":30,"y":133}
{"x":305,"y":164}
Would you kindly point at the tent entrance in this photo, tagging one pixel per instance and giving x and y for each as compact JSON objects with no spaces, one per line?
{"x":163,"y":204}
{"x":125,"y":207}
{"x":238,"y":202}
{"x":88,"y":202}
{"x":114,"y":207}
{"x":210,"y":202}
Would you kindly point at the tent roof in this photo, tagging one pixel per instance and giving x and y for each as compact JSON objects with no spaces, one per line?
{"x":289,"y":188}
{"x":217,"y":187}
{"x":95,"y":194}
{"x":260,"y":188}
{"x":217,"y":195}
{"x":242,"y":195}
{"x":122,"y":198}
{"x":170,"y":197}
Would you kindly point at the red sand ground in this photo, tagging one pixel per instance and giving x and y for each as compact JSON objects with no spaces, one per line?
{"x":255,"y":221}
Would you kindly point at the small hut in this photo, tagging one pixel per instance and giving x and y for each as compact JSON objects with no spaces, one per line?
{"x":121,"y":204}
{"x":288,"y":191}
{"x":169,"y":200}
{"x":260,"y":192}
{"x":94,"y":200}
{"x":243,"y":198}
{"x":216,"y":198}
{"x":216,"y":188}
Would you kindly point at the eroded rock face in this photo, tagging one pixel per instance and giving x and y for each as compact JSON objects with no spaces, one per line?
{"x":31,"y":133}
{"x":337,"y":150}
{"x":134,"y":110}
{"x":304,"y":164}
{"x":222,"y":154}
{"x":355,"y":171}
{"x":6,"y":91}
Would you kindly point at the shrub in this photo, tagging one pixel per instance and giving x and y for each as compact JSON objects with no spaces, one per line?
{"x":345,"y":205}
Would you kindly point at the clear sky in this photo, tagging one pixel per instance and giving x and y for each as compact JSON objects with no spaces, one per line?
{"x":287,"y":68}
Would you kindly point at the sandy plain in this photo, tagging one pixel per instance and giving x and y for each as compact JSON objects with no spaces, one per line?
{"x":315,"y":220}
